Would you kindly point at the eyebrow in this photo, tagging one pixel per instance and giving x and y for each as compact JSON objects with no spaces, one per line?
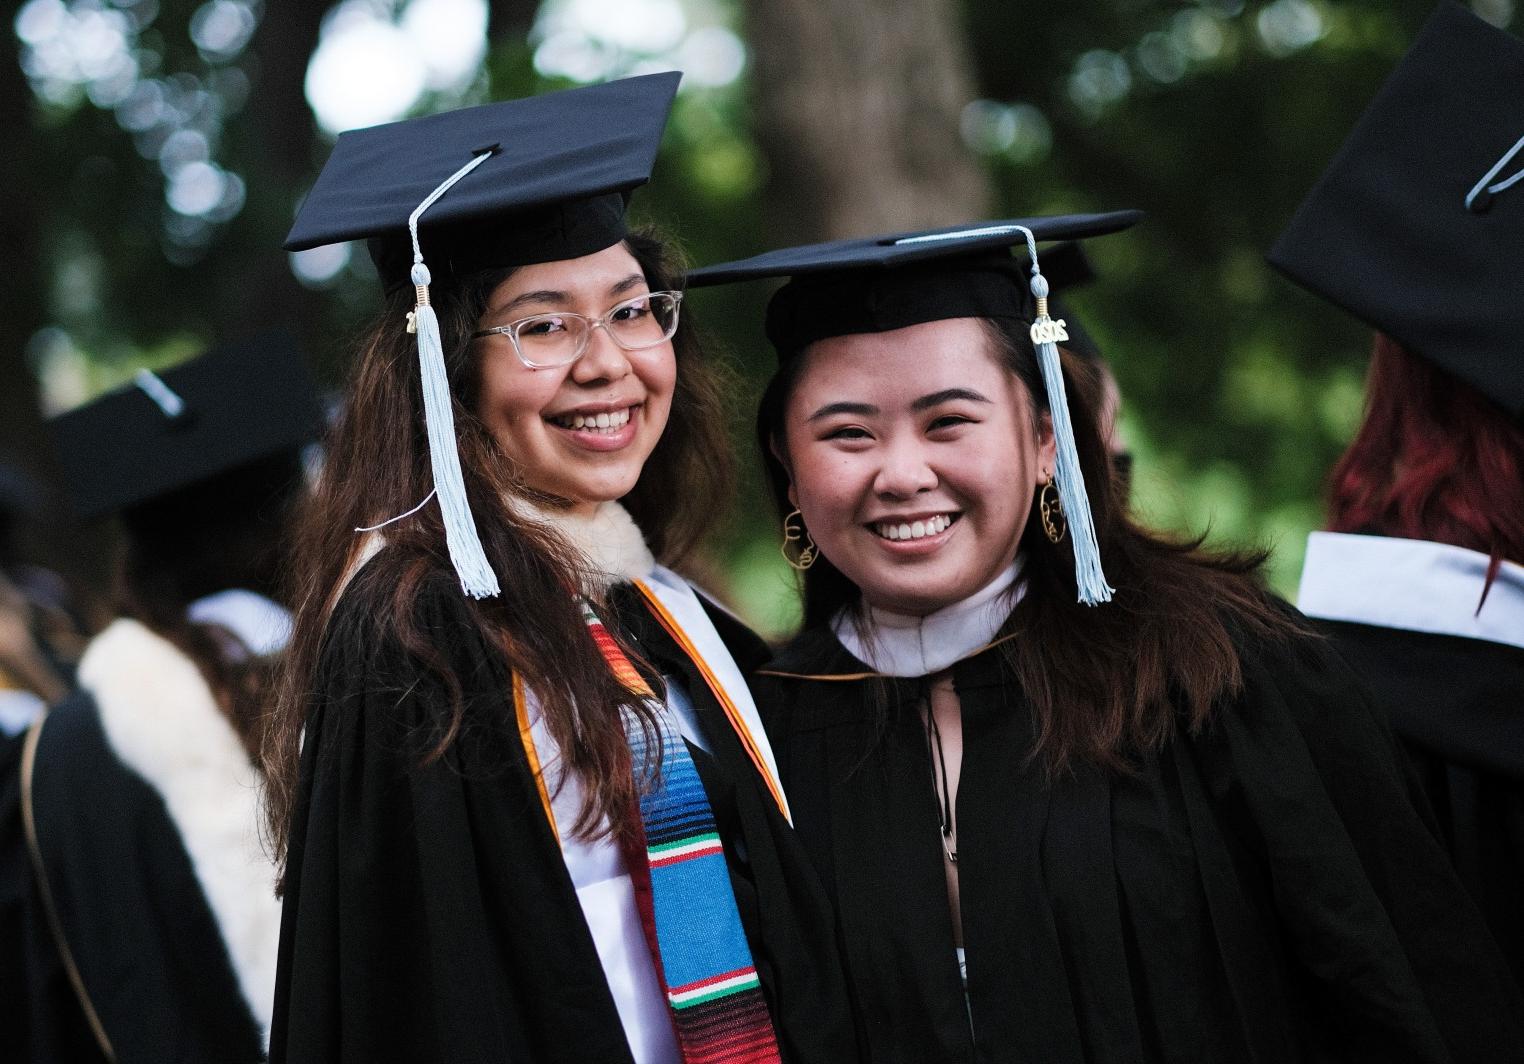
{"x":947,"y":395}
{"x":860,"y":409}
{"x":546,"y":295}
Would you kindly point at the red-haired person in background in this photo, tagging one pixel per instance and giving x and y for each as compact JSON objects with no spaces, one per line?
{"x":1420,"y":578}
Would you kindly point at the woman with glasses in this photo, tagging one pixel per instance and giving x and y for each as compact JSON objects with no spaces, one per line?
{"x":526,"y":806}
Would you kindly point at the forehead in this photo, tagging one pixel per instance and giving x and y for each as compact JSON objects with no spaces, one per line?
{"x":901,"y":363}
{"x":595,"y":273}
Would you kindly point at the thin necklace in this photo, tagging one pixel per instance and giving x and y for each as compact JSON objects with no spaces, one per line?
{"x":939,"y":764}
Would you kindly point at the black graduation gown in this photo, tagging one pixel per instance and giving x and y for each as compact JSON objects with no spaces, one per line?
{"x":1457,"y":704}
{"x":1264,"y":891}
{"x":132,"y":915}
{"x":429,"y":913}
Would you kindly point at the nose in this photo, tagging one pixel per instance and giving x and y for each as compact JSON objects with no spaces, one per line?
{"x":904,"y":472}
{"x":603,"y":360}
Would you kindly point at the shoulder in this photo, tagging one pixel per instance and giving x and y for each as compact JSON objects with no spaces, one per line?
{"x":405,"y":647}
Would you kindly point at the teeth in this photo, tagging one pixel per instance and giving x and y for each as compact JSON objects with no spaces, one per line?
{"x":606,"y":422}
{"x":916,"y":530}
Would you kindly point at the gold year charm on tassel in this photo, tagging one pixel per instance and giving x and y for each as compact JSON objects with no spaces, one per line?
{"x":1048,"y":331}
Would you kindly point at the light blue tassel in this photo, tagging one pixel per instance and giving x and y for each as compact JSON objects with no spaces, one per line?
{"x":1046,"y":333}
{"x":476,"y":576}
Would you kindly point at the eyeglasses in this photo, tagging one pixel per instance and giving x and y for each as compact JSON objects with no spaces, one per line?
{"x":544,"y":341}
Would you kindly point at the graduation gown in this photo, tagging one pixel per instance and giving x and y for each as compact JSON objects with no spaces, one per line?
{"x":430,"y":915}
{"x":1264,"y":891}
{"x":147,"y":923}
{"x":1450,"y":678}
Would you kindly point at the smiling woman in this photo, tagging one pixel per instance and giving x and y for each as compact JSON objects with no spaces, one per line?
{"x":526,"y":806}
{"x":1067,"y":816}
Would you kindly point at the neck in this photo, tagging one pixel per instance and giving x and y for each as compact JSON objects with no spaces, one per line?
{"x":901,"y":644}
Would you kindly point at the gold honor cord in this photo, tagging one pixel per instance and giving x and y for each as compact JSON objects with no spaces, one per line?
{"x":526,"y":735}
{"x":55,"y":924}
{"x":737,"y":723}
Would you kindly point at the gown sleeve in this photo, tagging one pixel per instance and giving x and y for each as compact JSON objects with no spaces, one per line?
{"x":1370,"y":903}
{"x":429,"y":916}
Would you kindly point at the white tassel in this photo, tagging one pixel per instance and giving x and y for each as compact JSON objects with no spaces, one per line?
{"x":476,"y":576}
{"x":1088,"y":575}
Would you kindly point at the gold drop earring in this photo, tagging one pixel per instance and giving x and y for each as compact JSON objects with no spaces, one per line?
{"x":1052,"y":511}
{"x":794,"y":534}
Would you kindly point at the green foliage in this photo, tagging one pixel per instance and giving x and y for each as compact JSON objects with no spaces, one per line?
{"x":1215,"y":117}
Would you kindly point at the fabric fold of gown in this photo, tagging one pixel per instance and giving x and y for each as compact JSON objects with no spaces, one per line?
{"x":1263,"y":891}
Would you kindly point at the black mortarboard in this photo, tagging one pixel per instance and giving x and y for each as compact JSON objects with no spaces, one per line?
{"x":228,"y":408}
{"x":875,"y":284}
{"x":878,"y":284}
{"x":1387,"y":233}
{"x":561,"y":169}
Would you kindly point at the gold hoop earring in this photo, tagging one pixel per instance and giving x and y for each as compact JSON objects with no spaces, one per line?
{"x":1051,"y":509}
{"x":807,"y":552}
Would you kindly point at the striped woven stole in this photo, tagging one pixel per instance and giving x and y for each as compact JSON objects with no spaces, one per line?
{"x":692,"y":926}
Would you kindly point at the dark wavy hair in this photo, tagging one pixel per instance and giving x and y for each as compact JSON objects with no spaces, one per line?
{"x":1433,"y":459}
{"x":378,"y":466}
{"x":1105,"y":682}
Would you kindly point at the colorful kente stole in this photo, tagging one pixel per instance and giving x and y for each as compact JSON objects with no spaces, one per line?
{"x":693,"y":928}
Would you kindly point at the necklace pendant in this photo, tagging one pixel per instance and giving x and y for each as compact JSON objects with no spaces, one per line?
{"x":947,"y":848}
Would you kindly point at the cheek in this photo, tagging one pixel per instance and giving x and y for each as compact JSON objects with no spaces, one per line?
{"x":510,"y":395}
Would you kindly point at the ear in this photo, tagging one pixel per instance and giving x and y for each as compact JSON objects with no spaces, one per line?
{"x":781,"y":454}
{"x":1047,"y":443}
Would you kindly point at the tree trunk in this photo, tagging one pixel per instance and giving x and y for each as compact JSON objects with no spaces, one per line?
{"x":30,"y":174}
{"x":857,"y":110}
{"x":510,"y":20}
{"x":258,"y":286}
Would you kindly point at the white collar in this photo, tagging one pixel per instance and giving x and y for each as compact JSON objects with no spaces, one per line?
{"x":1411,"y":584}
{"x":261,"y":625}
{"x":900,"y":645}
{"x":609,"y":539}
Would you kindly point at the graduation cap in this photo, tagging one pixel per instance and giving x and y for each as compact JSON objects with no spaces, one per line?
{"x":507,"y":184}
{"x":1417,"y":225}
{"x":878,"y":284}
{"x":230,"y":407}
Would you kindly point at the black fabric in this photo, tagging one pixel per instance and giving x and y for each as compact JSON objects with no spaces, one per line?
{"x":562,"y":166}
{"x":1386,"y":233}
{"x":1458,"y":706}
{"x":877,"y":284}
{"x":429,"y":914}
{"x":1264,"y":891}
{"x":902,"y":249}
{"x":990,"y":284}
{"x":244,"y":402}
{"x":137,"y":924}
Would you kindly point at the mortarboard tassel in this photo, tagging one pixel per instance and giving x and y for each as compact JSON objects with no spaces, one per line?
{"x":476,"y":576}
{"x":1046,"y":333}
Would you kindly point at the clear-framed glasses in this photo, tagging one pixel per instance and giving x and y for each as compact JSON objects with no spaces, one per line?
{"x":543,"y":341}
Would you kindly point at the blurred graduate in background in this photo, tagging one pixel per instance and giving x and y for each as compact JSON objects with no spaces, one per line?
{"x":1417,"y":228}
{"x":150,"y":930}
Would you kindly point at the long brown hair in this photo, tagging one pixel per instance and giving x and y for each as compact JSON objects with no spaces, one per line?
{"x":1108,"y":681}
{"x":223,"y":532}
{"x":378,"y":466}
{"x":1434,"y":459}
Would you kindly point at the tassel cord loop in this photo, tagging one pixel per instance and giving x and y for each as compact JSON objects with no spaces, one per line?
{"x":1482,"y":186}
